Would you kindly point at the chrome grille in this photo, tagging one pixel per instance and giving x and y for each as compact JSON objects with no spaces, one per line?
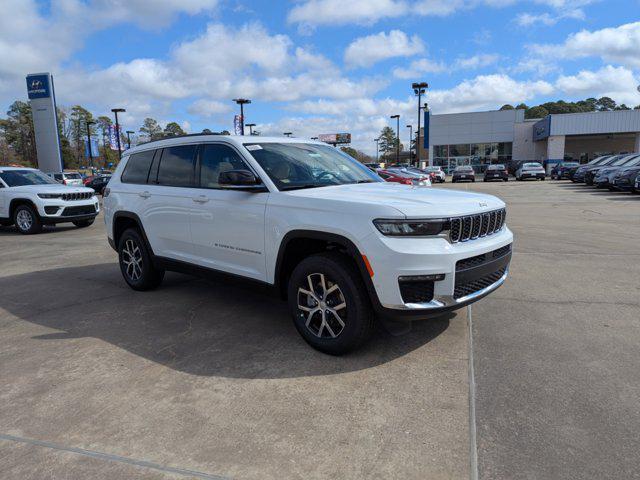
{"x":69,"y":197}
{"x":471,"y":227}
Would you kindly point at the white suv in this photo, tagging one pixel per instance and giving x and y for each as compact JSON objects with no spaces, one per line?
{"x":30,"y":199}
{"x":333,"y":238}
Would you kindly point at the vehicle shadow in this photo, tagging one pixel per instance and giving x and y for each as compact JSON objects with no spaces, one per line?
{"x":225,"y":328}
{"x":46,"y":229}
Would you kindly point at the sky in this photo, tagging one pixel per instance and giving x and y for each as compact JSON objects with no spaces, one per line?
{"x":318,"y":66}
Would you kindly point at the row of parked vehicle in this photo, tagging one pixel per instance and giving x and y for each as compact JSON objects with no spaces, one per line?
{"x":614,"y":172}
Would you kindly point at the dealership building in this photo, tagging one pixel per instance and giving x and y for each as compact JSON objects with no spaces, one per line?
{"x":505,"y":136}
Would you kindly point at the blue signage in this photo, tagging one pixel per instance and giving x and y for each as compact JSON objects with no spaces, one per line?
{"x":38,"y":86}
{"x":427,"y":117}
{"x":94,"y":148}
{"x":542,"y":129}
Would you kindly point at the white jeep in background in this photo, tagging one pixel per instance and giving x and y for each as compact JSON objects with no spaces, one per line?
{"x":30,"y":199}
{"x":329,"y":234}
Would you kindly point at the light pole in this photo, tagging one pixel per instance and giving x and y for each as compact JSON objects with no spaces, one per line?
{"x":115,"y":112}
{"x":410,"y":127}
{"x":377,"y":140}
{"x":397,"y":117}
{"x":287,"y":134}
{"x":129,"y":132}
{"x":418,"y":89}
{"x":242,"y":102}
{"x":89,"y":123}
{"x":251,"y":125}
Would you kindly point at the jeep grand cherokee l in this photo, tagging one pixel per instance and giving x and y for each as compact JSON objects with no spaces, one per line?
{"x":330,"y":235}
{"x":30,"y":199}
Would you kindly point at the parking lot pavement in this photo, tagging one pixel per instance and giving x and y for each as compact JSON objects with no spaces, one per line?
{"x":207,"y":377}
{"x":557,"y":348}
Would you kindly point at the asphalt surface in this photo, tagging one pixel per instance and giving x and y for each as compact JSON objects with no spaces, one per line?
{"x":210,"y":380}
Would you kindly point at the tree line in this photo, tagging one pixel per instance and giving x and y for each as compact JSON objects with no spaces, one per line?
{"x":603,"y":104}
{"x":17,"y":137}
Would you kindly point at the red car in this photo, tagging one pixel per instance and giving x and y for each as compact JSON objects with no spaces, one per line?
{"x":87,"y":179}
{"x":397,"y":176}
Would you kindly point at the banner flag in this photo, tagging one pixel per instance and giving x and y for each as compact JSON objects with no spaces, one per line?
{"x":237,"y":125}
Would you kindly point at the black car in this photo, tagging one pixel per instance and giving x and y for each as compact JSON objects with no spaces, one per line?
{"x":625,"y":179}
{"x":99,"y":183}
{"x":578,"y":174}
{"x":463,"y":173}
{"x":564,"y":170}
{"x":604,"y":176}
{"x":496,"y":172}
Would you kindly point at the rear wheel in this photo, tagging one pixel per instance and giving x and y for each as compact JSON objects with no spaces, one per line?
{"x":27,"y":220}
{"x":329,"y":303}
{"x":136,"y":264}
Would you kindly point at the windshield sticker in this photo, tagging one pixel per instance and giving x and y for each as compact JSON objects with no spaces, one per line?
{"x":251,"y":148}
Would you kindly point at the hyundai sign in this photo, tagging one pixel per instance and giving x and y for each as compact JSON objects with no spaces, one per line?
{"x":542,"y":129}
{"x":42,"y":99}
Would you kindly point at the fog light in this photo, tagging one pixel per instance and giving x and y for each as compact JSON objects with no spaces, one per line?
{"x":50,"y":210}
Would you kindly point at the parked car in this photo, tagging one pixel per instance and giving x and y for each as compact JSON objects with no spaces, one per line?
{"x":496,"y":172}
{"x":30,"y":199}
{"x":401,"y":175}
{"x":329,"y":242}
{"x":463,"y":173}
{"x":436,"y":173}
{"x":98,"y":184}
{"x":604,"y":176}
{"x":624,"y":178}
{"x":531,"y":170}
{"x":590,"y":174}
{"x":563,"y":170}
{"x":578,"y":175}
{"x":68,"y":178}
{"x":636,"y":185}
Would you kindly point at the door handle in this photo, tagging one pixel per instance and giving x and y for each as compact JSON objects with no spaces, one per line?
{"x":201,"y":199}
{"x":144,"y":194}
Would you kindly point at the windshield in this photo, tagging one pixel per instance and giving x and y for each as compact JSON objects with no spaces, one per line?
{"x":570,"y":164}
{"x":19,"y":178}
{"x":599,"y":160}
{"x":496,"y":167}
{"x":622,"y":161}
{"x":305,"y":165}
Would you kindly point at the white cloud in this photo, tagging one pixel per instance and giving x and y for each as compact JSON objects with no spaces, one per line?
{"x":340,"y":12}
{"x":547,"y":19}
{"x":476,"y":61}
{"x":618,"y":83}
{"x":616,"y":44}
{"x":208,"y":108}
{"x":365,"y":51}
{"x":418,"y":68}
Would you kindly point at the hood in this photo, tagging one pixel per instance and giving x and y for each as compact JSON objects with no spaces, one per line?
{"x":412,"y":202}
{"x":51,"y":188}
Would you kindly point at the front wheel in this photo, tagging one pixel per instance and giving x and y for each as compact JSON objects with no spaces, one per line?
{"x":27,"y":220}
{"x":83,"y":223}
{"x":136,"y":264}
{"x":329,"y":303}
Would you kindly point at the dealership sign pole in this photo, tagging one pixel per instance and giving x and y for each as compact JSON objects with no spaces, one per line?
{"x":45,"y":122}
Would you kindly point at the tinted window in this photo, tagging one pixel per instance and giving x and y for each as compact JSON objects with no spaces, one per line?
{"x":19,"y":178}
{"x":214,"y":160}
{"x":57,"y":176}
{"x":176,"y":166}
{"x":137,"y":168}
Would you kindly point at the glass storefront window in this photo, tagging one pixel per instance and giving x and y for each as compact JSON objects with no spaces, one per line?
{"x":478,"y":155}
{"x":441,"y":151}
{"x":460,"y":150}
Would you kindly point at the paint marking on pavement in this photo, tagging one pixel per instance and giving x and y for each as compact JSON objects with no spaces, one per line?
{"x":112,"y":458}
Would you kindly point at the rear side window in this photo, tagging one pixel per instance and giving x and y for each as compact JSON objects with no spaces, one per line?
{"x":177,"y":165}
{"x":137,"y":169}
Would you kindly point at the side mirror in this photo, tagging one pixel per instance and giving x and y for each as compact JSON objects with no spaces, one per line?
{"x":240,"y":180}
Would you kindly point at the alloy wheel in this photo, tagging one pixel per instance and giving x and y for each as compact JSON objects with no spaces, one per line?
{"x":24,"y":219}
{"x":322,"y":305}
{"x":132,"y":259}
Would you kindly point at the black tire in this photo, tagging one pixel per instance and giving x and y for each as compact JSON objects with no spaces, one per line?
{"x":29,"y":220}
{"x":505,"y":179}
{"x":83,"y":223}
{"x":543,"y":179}
{"x":146,"y":276}
{"x":356,"y":316}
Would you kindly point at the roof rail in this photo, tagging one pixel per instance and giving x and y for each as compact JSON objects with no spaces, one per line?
{"x":181,"y":136}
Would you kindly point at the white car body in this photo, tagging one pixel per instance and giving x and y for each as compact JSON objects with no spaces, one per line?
{"x":67,"y":178}
{"x":67,"y":197}
{"x":243,"y":233}
{"x":439,"y":173}
{"x":530,"y":170}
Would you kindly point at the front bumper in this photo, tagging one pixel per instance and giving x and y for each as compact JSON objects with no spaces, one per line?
{"x":392,"y":258}
{"x":54,"y":211}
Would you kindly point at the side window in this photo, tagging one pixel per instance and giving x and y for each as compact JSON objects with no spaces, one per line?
{"x":57,"y":176}
{"x":137,"y":169}
{"x":215,"y":159}
{"x":176,"y":166}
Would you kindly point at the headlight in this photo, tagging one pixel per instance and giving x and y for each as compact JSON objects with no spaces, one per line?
{"x":50,"y":195}
{"x":411,"y":228}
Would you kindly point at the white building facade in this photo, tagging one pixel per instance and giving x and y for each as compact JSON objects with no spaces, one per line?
{"x":505,"y":136}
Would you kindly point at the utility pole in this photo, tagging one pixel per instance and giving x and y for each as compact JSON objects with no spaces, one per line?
{"x":116,"y":111}
{"x":377,"y":140}
{"x":242,"y":102}
{"x":419,"y":88}
{"x":410,"y":127}
{"x":397,"y":117}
